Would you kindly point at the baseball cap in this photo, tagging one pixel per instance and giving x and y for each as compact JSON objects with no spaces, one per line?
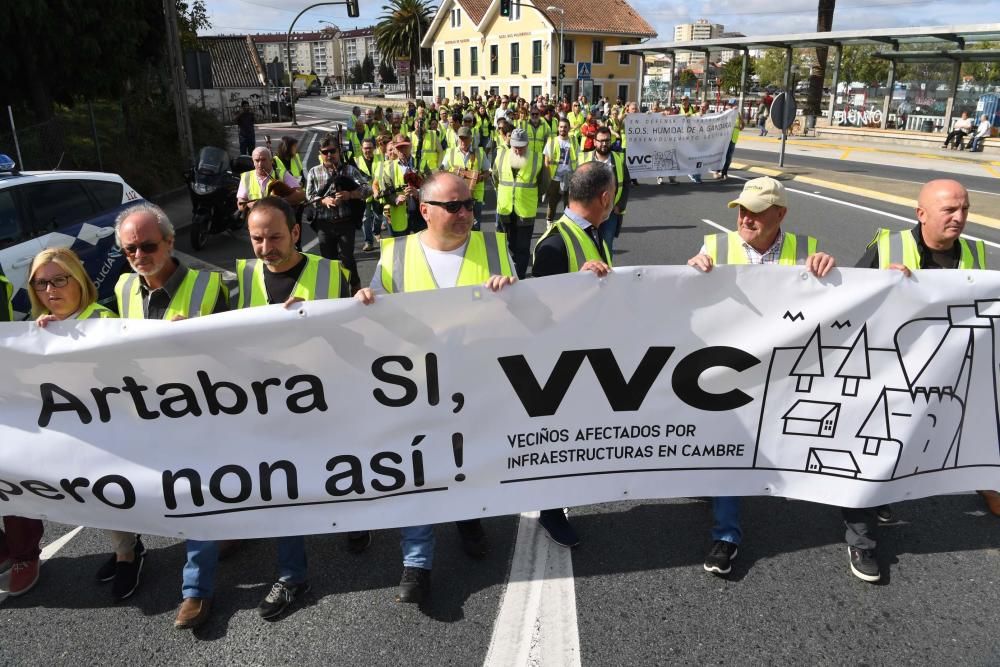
{"x":760,"y":194}
{"x":468,"y":116}
{"x":518,"y":138}
{"x":464,"y":132}
{"x":400,"y":140}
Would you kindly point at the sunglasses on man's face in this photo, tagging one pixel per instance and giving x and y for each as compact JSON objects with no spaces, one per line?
{"x":329,"y":151}
{"x":454,"y":206}
{"x":147,"y":248}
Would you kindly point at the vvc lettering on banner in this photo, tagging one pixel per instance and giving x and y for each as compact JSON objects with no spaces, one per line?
{"x":676,"y":145}
{"x":858,"y":389}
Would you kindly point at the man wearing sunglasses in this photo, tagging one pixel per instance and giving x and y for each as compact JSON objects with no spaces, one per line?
{"x":447,"y":254}
{"x":538,"y":132}
{"x":338,"y":191}
{"x":615,"y":163}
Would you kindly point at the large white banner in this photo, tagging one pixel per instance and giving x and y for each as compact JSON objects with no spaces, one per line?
{"x":862,"y":388}
{"x":661,"y":145}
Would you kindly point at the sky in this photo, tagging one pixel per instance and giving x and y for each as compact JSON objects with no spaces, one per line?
{"x":751,"y":17}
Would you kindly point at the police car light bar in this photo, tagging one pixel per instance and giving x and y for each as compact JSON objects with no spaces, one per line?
{"x":6,"y":164}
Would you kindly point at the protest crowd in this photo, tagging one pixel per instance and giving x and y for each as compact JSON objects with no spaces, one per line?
{"x":414,"y":184}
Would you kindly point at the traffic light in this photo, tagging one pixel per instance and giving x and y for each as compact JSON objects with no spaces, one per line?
{"x":504,"y":7}
{"x":562,"y":70}
{"x":352,"y":9}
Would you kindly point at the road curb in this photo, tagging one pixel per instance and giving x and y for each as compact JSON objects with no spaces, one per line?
{"x":975,"y":218}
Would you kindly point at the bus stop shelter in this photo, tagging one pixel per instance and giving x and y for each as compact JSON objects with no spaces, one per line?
{"x":926,"y":44}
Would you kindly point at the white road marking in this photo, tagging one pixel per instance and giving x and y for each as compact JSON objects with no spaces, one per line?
{"x":312,"y":244}
{"x":894,"y":216}
{"x":48,"y":552}
{"x":716,"y":225}
{"x":536,"y":624}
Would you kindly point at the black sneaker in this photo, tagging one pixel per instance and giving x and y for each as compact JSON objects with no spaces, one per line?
{"x":884,"y":514}
{"x":863,"y":564}
{"x":281,"y":595}
{"x":474,"y":540}
{"x":558,"y":528}
{"x":721,"y":556}
{"x":414,"y":586}
{"x":107,"y":571}
{"x":358,"y":540}
{"x":126,"y":578}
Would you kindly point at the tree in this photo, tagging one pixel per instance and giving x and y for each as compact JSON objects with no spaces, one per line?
{"x":76,"y":48}
{"x":771,"y":68}
{"x":191,"y":17}
{"x":386,"y":73}
{"x":817,"y":73}
{"x":399,"y":31}
{"x":729,"y":74}
{"x":687,"y":78}
{"x":367,"y":70}
{"x":857,"y":64}
{"x":983,"y":74}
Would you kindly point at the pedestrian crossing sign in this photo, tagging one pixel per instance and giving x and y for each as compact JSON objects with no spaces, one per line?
{"x":583,"y":71}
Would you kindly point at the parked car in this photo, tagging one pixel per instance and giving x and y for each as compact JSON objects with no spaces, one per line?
{"x":71,"y":209}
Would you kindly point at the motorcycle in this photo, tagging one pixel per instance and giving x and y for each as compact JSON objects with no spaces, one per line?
{"x":213,"y":184}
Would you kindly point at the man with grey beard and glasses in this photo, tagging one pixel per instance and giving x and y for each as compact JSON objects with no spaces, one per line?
{"x":517,"y":176}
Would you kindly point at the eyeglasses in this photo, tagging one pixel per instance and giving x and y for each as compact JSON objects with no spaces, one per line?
{"x":147,"y":248}
{"x":329,"y":151}
{"x":454,"y":206}
{"x":58,"y":282}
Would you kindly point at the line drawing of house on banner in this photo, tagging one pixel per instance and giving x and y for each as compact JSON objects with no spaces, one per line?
{"x":879,"y":413}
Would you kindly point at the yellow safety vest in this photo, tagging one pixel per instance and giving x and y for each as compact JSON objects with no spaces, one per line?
{"x":405,"y":269}
{"x":296,"y":167}
{"x":901,"y":248}
{"x":95,"y":311}
{"x":474,"y":161}
{"x":320,"y":279}
{"x":555,"y":154}
{"x":580,"y":248}
{"x":252,"y":185}
{"x":619,"y":163}
{"x":728,"y":249}
{"x":575,"y":121}
{"x":359,"y":162}
{"x":520,"y":194}
{"x":398,"y":219}
{"x":6,"y":294}
{"x":198,"y":294}
{"x":430,"y":155}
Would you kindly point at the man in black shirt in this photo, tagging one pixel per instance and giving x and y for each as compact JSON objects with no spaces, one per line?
{"x":244,"y":120}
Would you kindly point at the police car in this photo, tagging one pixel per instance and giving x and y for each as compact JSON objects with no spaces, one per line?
{"x":71,"y":209}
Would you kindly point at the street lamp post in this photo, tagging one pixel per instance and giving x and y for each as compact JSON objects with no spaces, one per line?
{"x":562,"y":41}
{"x":288,"y":52}
{"x":420,"y":54}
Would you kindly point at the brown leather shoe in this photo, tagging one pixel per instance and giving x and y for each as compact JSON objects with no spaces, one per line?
{"x":192,"y":613}
{"x":992,"y":499}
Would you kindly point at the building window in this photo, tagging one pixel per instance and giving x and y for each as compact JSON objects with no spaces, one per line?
{"x":474,"y":61}
{"x":536,"y":56}
{"x":536,"y":92}
{"x":623,"y":58}
{"x":494,"y":60}
{"x":598,"y":55}
{"x":441,"y":62}
{"x":569,"y":52}
{"x":473,"y":91}
{"x":623,"y":92}
{"x":515,"y":58}
{"x":458,"y":62}
{"x":494,"y":90}
{"x":598,"y":92}
{"x":440,"y":92}
{"x":568,"y":91}
{"x":456,"y":18}
{"x":515,"y":91}
{"x":458,"y":93}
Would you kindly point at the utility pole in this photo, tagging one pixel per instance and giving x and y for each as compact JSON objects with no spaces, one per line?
{"x":178,"y":83}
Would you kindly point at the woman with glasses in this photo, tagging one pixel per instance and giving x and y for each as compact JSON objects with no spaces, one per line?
{"x":62,"y":290}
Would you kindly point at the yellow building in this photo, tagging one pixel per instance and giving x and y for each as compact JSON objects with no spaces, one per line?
{"x":475,"y":50}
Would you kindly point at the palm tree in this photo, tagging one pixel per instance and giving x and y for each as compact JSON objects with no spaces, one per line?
{"x":400,"y":30}
{"x":824,"y":23}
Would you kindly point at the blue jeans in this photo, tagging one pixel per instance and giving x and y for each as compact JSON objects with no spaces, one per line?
{"x":726,"y":514}
{"x":203,"y":560}
{"x":247,"y":144}
{"x":371,"y":221}
{"x":729,"y":158}
{"x":417,"y":543}
{"x":608,"y":230}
